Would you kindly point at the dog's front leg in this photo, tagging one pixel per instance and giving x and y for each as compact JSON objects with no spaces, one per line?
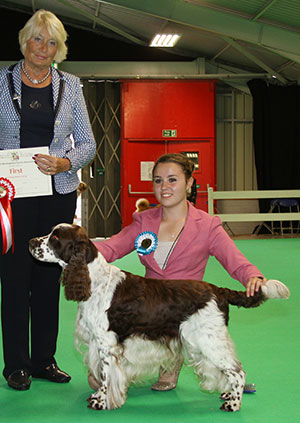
{"x":112,"y":391}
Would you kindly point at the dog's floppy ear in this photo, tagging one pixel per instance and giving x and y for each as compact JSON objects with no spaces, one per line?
{"x":75,"y":277}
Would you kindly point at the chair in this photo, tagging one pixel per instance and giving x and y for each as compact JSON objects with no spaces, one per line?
{"x":284,"y":205}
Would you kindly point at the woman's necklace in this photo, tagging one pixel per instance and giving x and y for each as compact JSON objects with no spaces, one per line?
{"x":35,"y":81}
{"x":174,"y":229}
{"x":171,"y":249}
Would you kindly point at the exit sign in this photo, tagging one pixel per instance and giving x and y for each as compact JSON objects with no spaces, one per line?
{"x":169,"y":133}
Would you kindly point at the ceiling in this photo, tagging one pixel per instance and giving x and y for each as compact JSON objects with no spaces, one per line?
{"x":237,"y":40}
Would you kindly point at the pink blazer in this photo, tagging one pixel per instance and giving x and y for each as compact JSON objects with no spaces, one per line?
{"x":202,"y":236}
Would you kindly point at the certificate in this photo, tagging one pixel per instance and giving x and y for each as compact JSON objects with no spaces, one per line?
{"x":18,"y":166}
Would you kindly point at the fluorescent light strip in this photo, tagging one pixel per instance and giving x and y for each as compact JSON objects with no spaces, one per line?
{"x":164,"y":40}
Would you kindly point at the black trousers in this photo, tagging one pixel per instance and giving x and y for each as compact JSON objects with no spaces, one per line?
{"x":29,"y":288}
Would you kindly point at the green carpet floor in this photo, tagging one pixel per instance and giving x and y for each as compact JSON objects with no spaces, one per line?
{"x":266,"y":339}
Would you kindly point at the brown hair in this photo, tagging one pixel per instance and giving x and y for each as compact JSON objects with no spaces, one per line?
{"x":186,"y":164}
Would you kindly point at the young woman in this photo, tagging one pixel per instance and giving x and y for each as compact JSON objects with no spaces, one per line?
{"x":183,"y":238}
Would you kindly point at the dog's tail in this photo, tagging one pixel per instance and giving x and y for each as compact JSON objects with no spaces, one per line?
{"x":275,"y":289}
{"x":272,"y":289}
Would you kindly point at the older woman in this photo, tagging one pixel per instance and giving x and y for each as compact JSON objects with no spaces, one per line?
{"x":39,"y":106}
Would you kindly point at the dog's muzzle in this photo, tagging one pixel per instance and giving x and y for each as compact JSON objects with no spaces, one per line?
{"x":35,"y":247}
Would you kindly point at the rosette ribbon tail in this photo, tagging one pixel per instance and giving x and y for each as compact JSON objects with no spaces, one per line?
{"x":7,"y":194}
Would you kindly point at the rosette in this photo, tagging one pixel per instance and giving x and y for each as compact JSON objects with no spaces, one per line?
{"x":7,"y":193}
{"x":145,"y":243}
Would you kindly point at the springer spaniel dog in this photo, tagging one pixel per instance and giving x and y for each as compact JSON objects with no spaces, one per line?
{"x":131,"y":326}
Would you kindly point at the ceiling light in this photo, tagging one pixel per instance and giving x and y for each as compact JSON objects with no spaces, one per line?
{"x":165,"y":40}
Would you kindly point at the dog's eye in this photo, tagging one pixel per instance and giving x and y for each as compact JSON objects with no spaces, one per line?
{"x":55,"y":237}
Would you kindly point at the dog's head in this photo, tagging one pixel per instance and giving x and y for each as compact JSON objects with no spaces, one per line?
{"x":70,"y":247}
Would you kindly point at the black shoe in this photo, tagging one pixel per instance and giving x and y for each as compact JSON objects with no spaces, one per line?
{"x":19,"y":380}
{"x":52,"y":373}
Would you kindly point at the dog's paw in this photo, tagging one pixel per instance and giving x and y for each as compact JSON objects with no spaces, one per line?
{"x":230,"y":406}
{"x":225,"y":396}
{"x":97,"y":402}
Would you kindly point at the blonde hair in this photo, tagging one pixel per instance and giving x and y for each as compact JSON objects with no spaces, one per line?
{"x":45,"y":19}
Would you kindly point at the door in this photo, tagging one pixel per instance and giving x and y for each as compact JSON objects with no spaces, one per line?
{"x":161,"y":117}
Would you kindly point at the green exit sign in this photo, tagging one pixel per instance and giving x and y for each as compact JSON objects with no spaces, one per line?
{"x":169,"y":133}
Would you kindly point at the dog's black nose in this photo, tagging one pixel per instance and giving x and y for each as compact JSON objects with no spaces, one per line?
{"x":33,"y":243}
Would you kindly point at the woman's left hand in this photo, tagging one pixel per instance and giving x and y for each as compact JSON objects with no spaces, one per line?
{"x":254,"y":284}
{"x":50,"y":165}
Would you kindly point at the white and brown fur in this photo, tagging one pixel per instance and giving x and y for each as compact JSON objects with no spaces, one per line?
{"x":131,"y":326}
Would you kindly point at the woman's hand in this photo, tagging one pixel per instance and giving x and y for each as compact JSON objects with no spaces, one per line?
{"x":50,"y":165}
{"x":254,"y":284}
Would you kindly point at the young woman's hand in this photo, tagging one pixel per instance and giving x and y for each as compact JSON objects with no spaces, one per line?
{"x":254,"y":284}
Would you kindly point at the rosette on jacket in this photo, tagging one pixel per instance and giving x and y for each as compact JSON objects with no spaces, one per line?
{"x":146,"y":242}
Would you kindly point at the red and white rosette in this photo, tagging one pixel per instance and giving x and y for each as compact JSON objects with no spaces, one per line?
{"x":7,"y":193}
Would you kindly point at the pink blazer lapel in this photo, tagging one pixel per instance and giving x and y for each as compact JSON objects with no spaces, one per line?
{"x":188,"y":235}
{"x":151,"y":223}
